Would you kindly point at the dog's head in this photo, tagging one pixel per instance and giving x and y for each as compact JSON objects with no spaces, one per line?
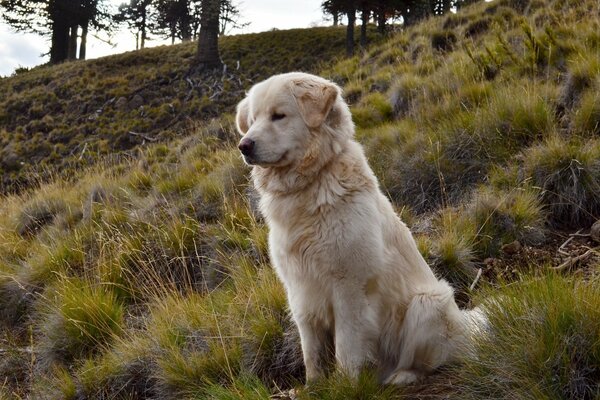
{"x":280,"y":117}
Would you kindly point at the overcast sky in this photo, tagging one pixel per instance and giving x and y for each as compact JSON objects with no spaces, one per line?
{"x":20,"y":49}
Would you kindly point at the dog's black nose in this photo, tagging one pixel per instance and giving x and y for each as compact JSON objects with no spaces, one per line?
{"x":246,"y":146}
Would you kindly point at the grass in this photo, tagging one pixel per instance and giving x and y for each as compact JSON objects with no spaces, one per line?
{"x":54,"y":120}
{"x":568,"y":173}
{"x":146,"y":274}
{"x":548,"y":331}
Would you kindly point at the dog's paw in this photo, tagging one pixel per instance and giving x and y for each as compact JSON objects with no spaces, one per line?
{"x":403,"y":377}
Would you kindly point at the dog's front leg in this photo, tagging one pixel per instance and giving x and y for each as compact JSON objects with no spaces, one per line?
{"x":354,"y":328}
{"x":313,"y":337}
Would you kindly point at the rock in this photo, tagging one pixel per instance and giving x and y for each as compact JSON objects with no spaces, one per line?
{"x":136,"y":102}
{"x":121,"y":104}
{"x":595,"y":231}
{"x":489,"y":261}
{"x":10,"y":161}
{"x":512,"y":248}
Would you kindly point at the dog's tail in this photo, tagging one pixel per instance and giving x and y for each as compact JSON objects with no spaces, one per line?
{"x":477,"y":322}
{"x":477,"y":328}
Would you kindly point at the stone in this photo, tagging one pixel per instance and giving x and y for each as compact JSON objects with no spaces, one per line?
{"x":512,"y":247}
{"x":595,"y":231}
{"x":121,"y":104}
{"x":136,"y":102}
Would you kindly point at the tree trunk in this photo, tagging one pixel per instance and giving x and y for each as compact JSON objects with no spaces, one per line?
{"x":59,"y":49}
{"x":351,"y":14}
{"x":364,"y":16}
{"x":335,"y":19}
{"x":143,"y":29}
{"x":381,"y":21}
{"x":208,"y":42}
{"x":185,"y":22}
{"x":72,"y":51}
{"x":83,"y":44}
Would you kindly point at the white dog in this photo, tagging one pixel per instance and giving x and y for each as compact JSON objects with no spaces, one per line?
{"x":350,"y":267}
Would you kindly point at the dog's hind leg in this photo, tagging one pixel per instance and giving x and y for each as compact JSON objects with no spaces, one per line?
{"x":431,"y":331}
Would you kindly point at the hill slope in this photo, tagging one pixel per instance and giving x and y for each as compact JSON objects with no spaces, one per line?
{"x":65,"y":116}
{"x":148,"y":277}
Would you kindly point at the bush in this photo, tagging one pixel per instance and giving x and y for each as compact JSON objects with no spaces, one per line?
{"x":579,"y":78}
{"x":271,"y":348}
{"x":586,"y":119}
{"x":404,"y":93}
{"x":477,"y":27}
{"x":38,"y":213}
{"x":373,"y":109}
{"x":568,"y":173}
{"x":453,"y":249}
{"x":503,"y":217}
{"x":82,"y":319}
{"x":443,"y":41}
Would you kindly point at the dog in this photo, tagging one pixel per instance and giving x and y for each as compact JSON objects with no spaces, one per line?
{"x":354,"y":278}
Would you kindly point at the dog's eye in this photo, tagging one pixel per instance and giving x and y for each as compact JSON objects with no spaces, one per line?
{"x":277,"y":116}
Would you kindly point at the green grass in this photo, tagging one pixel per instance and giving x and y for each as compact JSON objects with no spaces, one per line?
{"x":56,"y":119}
{"x":548,"y":331}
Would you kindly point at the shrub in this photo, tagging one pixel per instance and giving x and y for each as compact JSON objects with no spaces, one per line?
{"x":353,"y":91}
{"x":126,"y":371}
{"x":568,"y":173}
{"x":580,"y":77}
{"x":586,"y":119}
{"x":443,"y":41}
{"x":404,"y":93}
{"x":271,"y":347}
{"x":502,"y":217}
{"x":453,"y":249}
{"x":373,"y":109}
{"x":477,"y":27}
{"x":38,"y":213}
{"x":82,"y":319}
{"x":511,"y":122}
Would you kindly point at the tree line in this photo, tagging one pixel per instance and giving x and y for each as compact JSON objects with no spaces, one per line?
{"x":68,"y":23}
{"x":406,"y":12}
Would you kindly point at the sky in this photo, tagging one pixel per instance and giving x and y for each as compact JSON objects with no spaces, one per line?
{"x":25,"y":50}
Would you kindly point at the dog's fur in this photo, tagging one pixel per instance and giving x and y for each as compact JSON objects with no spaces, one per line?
{"x":350,"y":266}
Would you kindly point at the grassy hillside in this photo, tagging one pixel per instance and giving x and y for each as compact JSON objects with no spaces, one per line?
{"x":62,"y":117}
{"x":148,"y":276}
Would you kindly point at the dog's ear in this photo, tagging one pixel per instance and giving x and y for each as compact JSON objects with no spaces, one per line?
{"x":242,"y":116}
{"x":315,"y":99}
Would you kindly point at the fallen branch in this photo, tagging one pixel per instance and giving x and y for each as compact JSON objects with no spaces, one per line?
{"x":83,"y":151}
{"x":143,"y":136}
{"x":560,"y":249}
{"x":573,"y":260}
{"x":479,"y":271}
